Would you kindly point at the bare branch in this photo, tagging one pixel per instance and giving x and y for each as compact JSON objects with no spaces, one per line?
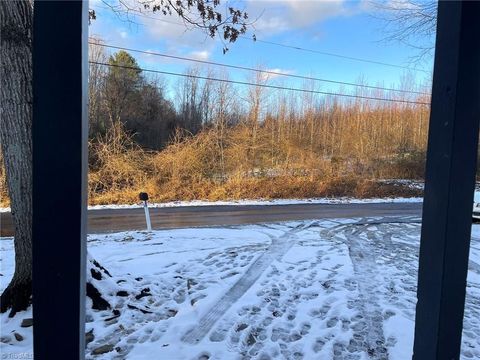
{"x":202,"y":14}
{"x":410,"y":22}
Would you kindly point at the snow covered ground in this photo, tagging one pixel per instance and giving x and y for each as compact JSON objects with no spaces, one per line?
{"x":338,"y":200}
{"x":327,"y":289}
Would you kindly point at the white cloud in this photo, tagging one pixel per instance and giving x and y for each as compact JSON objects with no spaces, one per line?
{"x":172,"y":36}
{"x":200,"y":54}
{"x":269,"y":17}
{"x":275,"y":16}
{"x":171,"y":30}
{"x":278,"y":73}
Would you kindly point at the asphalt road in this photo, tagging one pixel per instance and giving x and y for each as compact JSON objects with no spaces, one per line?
{"x":111,"y":220}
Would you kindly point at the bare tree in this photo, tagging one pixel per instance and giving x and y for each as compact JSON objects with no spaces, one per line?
{"x":256,"y":97}
{"x":189,"y":95}
{"x":15,"y":136}
{"x":96,"y":84}
{"x":223,"y":101}
{"x":152,"y":118}
{"x":410,"y":22}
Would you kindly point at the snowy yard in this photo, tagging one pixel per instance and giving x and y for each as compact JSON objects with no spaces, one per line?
{"x":336,"y":289}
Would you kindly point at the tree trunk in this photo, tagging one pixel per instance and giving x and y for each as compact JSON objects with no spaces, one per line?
{"x":16,"y":140}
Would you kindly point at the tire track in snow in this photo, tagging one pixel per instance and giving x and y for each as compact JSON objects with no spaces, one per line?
{"x":368,"y":333}
{"x":278,"y":247}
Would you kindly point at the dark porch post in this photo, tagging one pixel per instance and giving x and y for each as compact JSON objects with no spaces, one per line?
{"x":59,"y":177}
{"x":450,"y":180}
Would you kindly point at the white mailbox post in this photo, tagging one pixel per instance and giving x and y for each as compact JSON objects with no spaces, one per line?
{"x":144,"y":197}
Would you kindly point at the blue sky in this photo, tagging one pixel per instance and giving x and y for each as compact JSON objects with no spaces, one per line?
{"x":349,"y":28}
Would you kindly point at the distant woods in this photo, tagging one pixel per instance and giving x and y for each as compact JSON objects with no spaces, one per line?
{"x":121,"y":94}
{"x":196,"y":138}
{"x":193,"y":138}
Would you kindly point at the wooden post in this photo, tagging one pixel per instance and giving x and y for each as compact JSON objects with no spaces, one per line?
{"x":450,"y":181}
{"x":60,"y":71}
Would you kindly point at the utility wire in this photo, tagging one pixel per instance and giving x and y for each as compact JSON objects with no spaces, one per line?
{"x":335,"y":55}
{"x":270,"y":72}
{"x":259,"y":85}
{"x":352,"y":58}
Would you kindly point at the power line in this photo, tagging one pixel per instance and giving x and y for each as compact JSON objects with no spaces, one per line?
{"x":260,"y":85}
{"x":270,"y":72}
{"x":325,"y":53}
{"x":335,"y":55}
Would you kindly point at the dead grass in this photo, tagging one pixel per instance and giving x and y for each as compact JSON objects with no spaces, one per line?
{"x":230,"y":166}
{"x":204,"y":167}
{"x":116,"y":165}
{"x":280,"y":187}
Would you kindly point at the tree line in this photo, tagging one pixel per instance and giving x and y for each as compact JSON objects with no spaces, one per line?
{"x":201,"y":138}
{"x":120,"y":93}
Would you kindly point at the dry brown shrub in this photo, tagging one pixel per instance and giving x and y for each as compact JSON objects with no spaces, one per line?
{"x":207,"y":167}
{"x":410,"y":165}
{"x":263,"y":187}
{"x":338,"y":186}
{"x":187,"y":158}
{"x":213,"y":166}
{"x":116,"y":165}
{"x":376,"y":189}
